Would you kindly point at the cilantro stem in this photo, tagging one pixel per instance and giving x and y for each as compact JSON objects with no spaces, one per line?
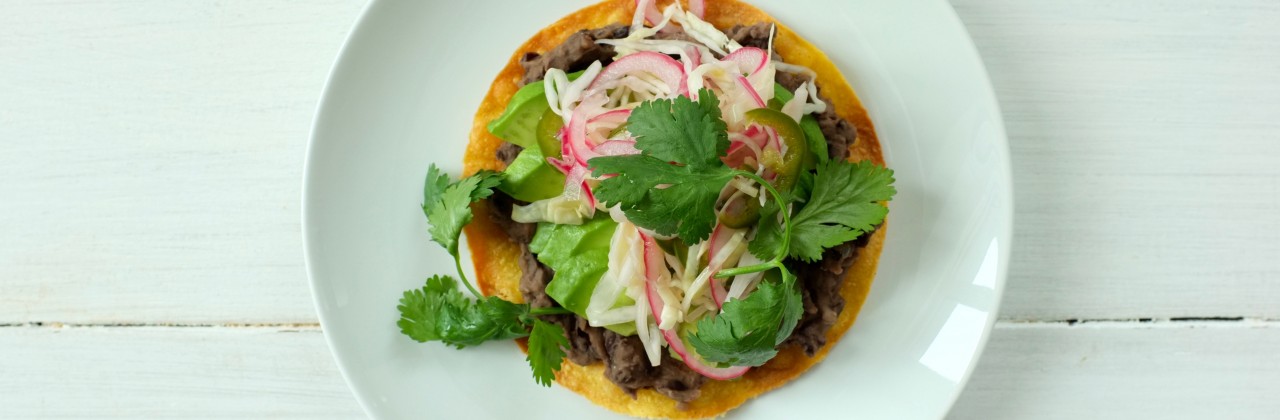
{"x":737,"y":271}
{"x":457,"y":262}
{"x":776,"y":262}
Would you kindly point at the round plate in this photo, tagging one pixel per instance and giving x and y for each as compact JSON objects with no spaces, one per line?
{"x":402,"y":96}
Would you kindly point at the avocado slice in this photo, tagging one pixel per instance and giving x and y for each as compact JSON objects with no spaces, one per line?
{"x":519,"y":123}
{"x":521,"y":118}
{"x":530,"y":178}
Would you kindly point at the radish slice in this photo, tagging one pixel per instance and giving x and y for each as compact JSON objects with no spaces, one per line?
{"x":667,"y":69}
{"x":652,"y":266}
{"x":750,"y":59}
{"x":699,"y":8}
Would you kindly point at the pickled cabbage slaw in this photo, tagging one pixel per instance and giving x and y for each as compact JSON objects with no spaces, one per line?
{"x":656,"y":286}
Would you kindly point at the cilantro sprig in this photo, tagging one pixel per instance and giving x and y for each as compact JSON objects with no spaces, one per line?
{"x":844,"y":205}
{"x":440,"y":312}
{"x":448,"y":208}
{"x":671,"y":188}
{"x":750,"y":330}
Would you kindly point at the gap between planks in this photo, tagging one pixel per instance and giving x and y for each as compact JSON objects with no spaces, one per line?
{"x":1096,"y":323}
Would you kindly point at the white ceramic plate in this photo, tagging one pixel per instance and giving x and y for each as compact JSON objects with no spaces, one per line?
{"x":403,"y":93}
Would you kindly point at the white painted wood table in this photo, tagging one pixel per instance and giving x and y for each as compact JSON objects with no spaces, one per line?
{"x":151,"y":158}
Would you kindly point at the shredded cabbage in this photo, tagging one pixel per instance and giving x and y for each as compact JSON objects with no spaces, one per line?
{"x":558,"y":210}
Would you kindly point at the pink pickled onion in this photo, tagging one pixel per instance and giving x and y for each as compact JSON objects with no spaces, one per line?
{"x":744,"y":144}
{"x":652,"y":267}
{"x":591,"y":200}
{"x":695,"y":362}
{"x":651,"y":13}
{"x":575,"y":182}
{"x":773,"y":139}
{"x":693,"y":59}
{"x":574,"y":143}
{"x":719,"y":237}
{"x":751,"y":90}
{"x":695,"y":56}
{"x":736,"y":155}
{"x":616,"y":117}
{"x":617,"y":148}
{"x":661,"y":65}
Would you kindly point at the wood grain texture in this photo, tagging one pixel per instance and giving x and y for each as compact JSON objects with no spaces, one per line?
{"x":152,"y":157}
{"x":164,"y":372}
{"x":1057,"y":372}
{"x":1144,"y":139}
{"x":1123,"y":371}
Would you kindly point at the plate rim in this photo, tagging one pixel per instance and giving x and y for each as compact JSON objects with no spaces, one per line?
{"x":357,"y":26}
{"x":1006,"y":229}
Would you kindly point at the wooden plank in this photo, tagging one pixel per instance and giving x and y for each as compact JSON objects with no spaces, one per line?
{"x":1183,"y":371}
{"x":1116,"y":371}
{"x":1144,"y":139}
{"x":153,"y":372}
{"x":152,"y":157}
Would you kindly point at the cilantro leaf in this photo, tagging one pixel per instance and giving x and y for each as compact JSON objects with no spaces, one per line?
{"x":681,"y":143}
{"x":448,"y":205}
{"x":681,"y":130}
{"x":437,"y":181}
{"x":546,"y":350}
{"x":768,"y":233}
{"x":439,"y":312}
{"x":843,"y":205}
{"x":486,"y":182}
{"x":749,"y":330}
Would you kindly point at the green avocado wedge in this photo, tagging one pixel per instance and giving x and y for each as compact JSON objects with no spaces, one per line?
{"x":519,"y":123}
{"x":529,"y":177}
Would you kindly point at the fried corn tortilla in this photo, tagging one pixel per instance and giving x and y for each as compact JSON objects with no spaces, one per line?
{"x":496,"y":256}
